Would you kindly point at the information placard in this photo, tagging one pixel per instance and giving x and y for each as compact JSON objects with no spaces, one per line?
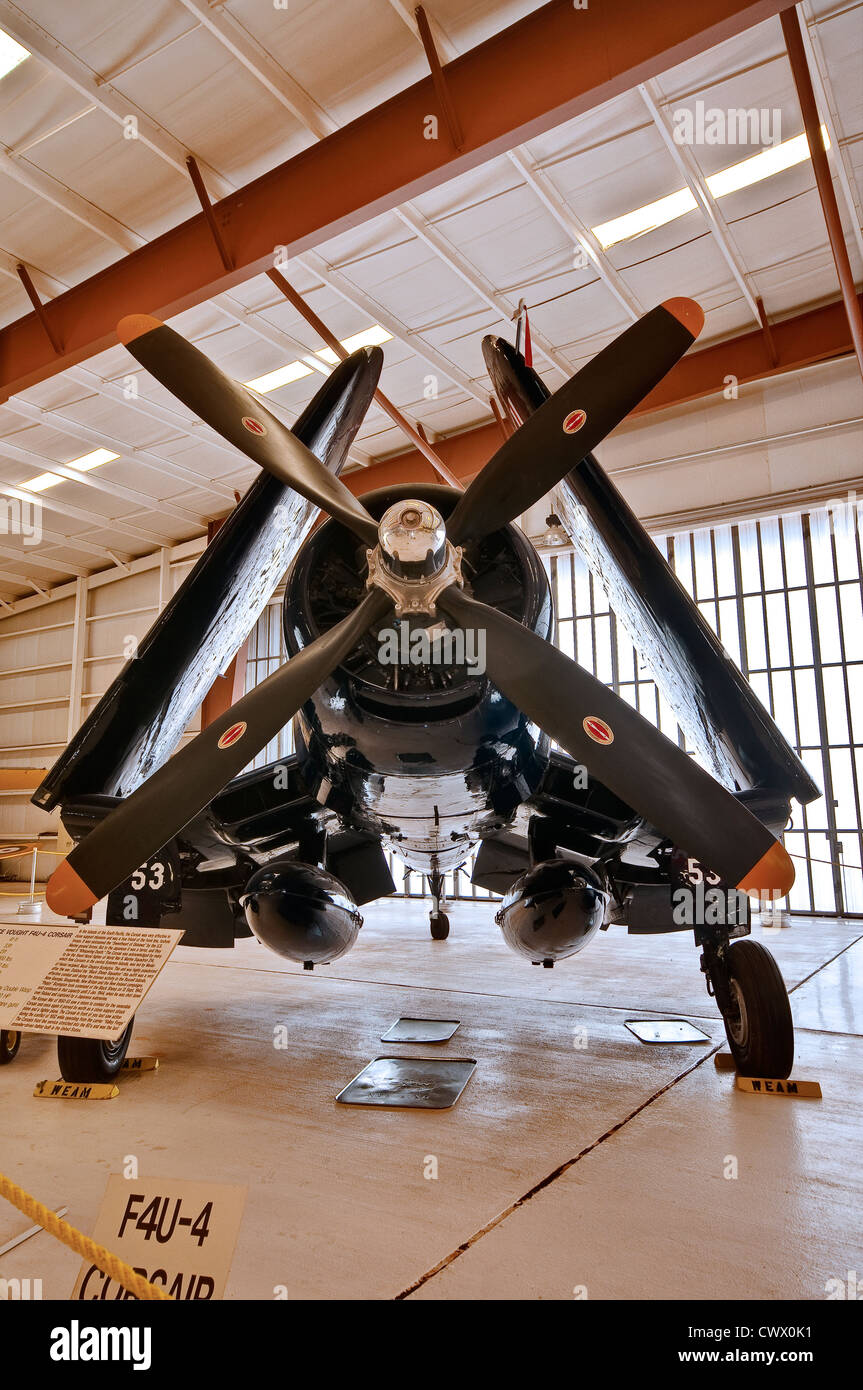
{"x":81,"y":981}
{"x":178,"y":1234}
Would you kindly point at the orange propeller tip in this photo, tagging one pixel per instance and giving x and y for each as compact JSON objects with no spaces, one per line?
{"x":66,"y":893}
{"x":687,"y":312}
{"x":135,"y":326}
{"x":774,"y":873}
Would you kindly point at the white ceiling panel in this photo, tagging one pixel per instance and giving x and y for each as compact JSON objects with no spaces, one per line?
{"x":504,"y":239}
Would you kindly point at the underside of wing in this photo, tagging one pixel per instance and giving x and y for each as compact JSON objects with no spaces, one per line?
{"x":140,"y":719}
{"x":722,"y":718}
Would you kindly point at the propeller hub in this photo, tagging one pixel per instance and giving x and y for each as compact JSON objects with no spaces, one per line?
{"x":413,"y":561}
{"x":412,"y":539}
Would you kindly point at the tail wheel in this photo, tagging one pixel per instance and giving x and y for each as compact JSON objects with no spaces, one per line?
{"x":758,"y":1021}
{"x":92,"y":1059}
{"x":9,"y":1044}
{"x":439,"y":923}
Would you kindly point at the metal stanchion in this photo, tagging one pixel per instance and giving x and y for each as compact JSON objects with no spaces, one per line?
{"x":31,"y":907}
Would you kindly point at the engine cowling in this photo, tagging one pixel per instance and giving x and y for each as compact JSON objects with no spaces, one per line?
{"x":301,"y":912}
{"x":552,"y":911}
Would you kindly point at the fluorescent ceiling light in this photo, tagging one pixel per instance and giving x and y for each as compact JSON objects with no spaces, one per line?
{"x":295,"y":370}
{"x":82,"y":465}
{"x":88,"y":461}
{"x":762,"y":165}
{"x":645,"y":219}
{"x":271,"y":381}
{"x":371,"y":337}
{"x":759,"y":166}
{"x":11,"y":54}
{"x":44,"y":480}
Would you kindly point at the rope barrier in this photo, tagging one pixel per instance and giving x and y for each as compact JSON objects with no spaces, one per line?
{"x":111,"y":1265}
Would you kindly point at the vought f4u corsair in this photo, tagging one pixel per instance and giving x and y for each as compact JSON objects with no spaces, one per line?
{"x":442,"y":756}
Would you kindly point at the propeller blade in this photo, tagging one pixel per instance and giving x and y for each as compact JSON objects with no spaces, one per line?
{"x":238,"y":416}
{"x":575,"y":419}
{"x":183,"y":786}
{"x":626,"y":753}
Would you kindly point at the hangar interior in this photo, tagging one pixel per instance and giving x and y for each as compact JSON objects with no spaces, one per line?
{"x":567,"y":1164}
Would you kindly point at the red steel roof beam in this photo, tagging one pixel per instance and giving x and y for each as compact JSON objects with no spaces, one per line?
{"x":823,"y":176}
{"x":439,"y":79}
{"x":818,"y":335}
{"x":568,"y":61}
{"x":418,"y":440}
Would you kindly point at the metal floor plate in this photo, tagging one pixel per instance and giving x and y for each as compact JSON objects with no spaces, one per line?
{"x":421,"y":1030}
{"x":417,"y":1083}
{"x":666,"y":1030}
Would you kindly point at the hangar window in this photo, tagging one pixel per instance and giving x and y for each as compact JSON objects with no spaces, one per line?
{"x":784,"y":595}
{"x":264,"y":655}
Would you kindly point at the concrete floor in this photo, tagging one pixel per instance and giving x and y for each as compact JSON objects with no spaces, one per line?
{"x":560,"y":1167}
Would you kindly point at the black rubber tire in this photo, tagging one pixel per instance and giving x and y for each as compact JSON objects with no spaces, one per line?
{"x":10,"y":1041}
{"x":761,"y":1030}
{"x":439,"y":923}
{"x":92,"y":1059}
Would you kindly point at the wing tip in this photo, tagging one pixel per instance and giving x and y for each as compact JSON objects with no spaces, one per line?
{"x":135,"y":326}
{"x":66,"y":893}
{"x":687,"y":312}
{"x":773,"y":873}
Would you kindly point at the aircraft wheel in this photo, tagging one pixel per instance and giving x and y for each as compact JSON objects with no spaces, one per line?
{"x":439,"y":923}
{"x":9,"y":1044}
{"x":758,"y":1022}
{"x":92,"y":1059}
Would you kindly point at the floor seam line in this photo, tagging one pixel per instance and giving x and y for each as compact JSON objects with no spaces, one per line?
{"x":484,"y":994}
{"x":819,"y":968}
{"x":548,"y":1180}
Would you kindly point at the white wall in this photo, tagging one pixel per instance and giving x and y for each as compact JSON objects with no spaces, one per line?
{"x":58,"y":656}
{"x":720,"y":458}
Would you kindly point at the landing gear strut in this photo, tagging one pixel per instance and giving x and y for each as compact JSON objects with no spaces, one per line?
{"x":752,"y":998}
{"x":438,"y":921}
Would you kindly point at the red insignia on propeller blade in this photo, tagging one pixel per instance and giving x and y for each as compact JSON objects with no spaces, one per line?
{"x":254,"y":426}
{"x":597,"y":729}
{"x":574,"y":421}
{"x":231,"y":735}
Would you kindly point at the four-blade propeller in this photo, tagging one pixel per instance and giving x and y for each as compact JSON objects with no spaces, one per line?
{"x":575,"y":419}
{"x":238,"y":416}
{"x":613,"y":741}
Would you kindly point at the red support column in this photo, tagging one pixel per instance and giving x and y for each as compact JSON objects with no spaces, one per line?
{"x":823,"y":176}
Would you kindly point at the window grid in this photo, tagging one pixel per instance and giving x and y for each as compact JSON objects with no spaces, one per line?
{"x":784,"y":596}
{"x":457,"y":884}
{"x":266,"y":653}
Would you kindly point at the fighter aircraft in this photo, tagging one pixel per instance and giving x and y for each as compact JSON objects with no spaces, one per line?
{"x":404,"y":739}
